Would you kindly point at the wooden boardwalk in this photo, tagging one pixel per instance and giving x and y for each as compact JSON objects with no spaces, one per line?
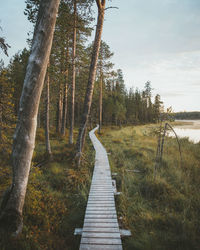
{"x":100,"y":229}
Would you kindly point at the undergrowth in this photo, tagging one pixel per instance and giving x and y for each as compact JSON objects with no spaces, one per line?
{"x":161,"y":211}
{"x":56,"y":196}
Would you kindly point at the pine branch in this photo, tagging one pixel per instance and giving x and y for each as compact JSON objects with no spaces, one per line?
{"x":4,"y":46}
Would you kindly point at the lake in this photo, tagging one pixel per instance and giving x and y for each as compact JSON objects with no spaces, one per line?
{"x":188,"y":128}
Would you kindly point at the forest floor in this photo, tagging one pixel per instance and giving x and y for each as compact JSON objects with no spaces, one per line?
{"x":162,"y":212}
{"x":56,"y":196}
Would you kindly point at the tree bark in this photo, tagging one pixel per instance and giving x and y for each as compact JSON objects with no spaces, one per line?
{"x":1,"y":122}
{"x":100,"y":102}
{"x":47,"y":141}
{"x":100,"y":91}
{"x":24,"y":136}
{"x":64,"y":108}
{"x":64,"y":105}
{"x":73,"y":78}
{"x":91,"y":79}
{"x":59,"y":112}
{"x":38,"y":119}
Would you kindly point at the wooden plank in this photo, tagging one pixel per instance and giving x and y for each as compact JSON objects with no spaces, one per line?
{"x":100,"y":220}
{"x":100,"y":212}
{"x":101,"y":229}
{"x":106,"y":241}
{"x":102,"y":224}
{"x":100,"y":235}
{"x":102,"y":203}
{"x":105,"y":198}
{"x":97,"y":209}
{"x":100,"y":247}
{"x":97,"y":194}
{"x":100,"y":216}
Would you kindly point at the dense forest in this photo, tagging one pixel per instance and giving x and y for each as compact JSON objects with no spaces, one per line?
{"x":187,"y":115}
{"x":69,"y":67}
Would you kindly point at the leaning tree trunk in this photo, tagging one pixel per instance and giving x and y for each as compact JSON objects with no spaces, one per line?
{"x":73,"y":79}
{"x":47,"y":141}
{"x":91,"y":79}
{"x":24,"y":138}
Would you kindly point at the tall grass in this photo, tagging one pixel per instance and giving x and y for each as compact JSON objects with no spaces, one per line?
{"x":161,"y":212}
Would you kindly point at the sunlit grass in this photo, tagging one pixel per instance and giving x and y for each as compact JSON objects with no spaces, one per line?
{"x":162,"y":210}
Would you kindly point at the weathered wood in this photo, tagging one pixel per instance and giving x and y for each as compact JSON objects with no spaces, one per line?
{"x":100,"y":235}
{"x":100,"y":247}
{"x":100,"y":216}
{"x":105,"y":241}
{"x":103,"y":212}
{"x":101,"y":224}
{"x":100,"y":229}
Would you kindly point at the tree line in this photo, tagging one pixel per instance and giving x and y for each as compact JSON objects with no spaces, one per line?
{"x":195,"y":115}
{"x":81,"y":89}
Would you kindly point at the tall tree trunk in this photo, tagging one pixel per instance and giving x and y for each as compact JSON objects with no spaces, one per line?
{"x":47,"y":141}
{"x":100,"y":90}
{"x":91,"y":79}
{"x":64,"y":105}
{"x":24,"y":137}
{"x":73,"y":79}
{"x":1,"y":122}
{"x":59,"y":112}
{"x":100,"y":102}
{"x":64,"y":108}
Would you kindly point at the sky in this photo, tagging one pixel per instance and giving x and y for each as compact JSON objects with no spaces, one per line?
{"x":152,"y":40}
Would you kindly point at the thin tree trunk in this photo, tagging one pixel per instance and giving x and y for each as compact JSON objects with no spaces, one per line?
{"x":24,"y":137}
{"x":64,"y":110}
{"x":64,"y":105}
{"x":100,"y":102}
{"x":73,"y":79}
{"x":59,"y":112}
{"x":100,"y":92}
{"x":47,"y":141}
{"x":91,"y":79}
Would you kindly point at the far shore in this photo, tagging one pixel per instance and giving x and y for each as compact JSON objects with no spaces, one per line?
{"x":188,"y":124}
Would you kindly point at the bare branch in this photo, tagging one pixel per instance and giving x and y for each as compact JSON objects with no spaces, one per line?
{"x":111,"y":8}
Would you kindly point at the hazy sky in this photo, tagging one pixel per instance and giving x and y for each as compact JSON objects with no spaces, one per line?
{"x":156,"y":40}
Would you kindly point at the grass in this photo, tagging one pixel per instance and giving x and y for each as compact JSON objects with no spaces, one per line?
{"x":162,"y":212}
{"x":56,"y":196}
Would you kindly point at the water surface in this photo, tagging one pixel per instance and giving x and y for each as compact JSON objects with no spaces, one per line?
{"x":188,"y":128}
